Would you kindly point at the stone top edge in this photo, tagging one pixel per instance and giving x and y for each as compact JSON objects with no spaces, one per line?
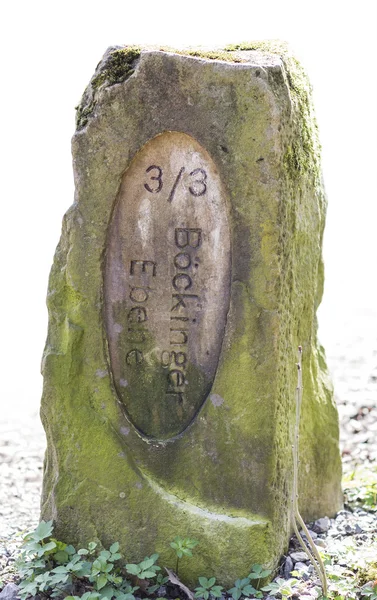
{"x":243,"y":57}
{"x":245,"y":52}
{"x":119,"y":63}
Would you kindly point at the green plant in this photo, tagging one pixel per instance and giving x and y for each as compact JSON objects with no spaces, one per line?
{"x":207,"y":587}
{"x":182,"y":547}
{"x":369,"y":590}
{"x":52,"y":568}
{"x":342,"y":582}
{"x":286,"y":588}
{"x":146,"y":569}
{"x":35,"y":559}
{"x":360,"y":488}
{"x":258,"y":572}
{"x":86,"y":596}
{"x":242,"y":587}
{"x":160,"y":580}
{"x":350,"y":568}
{"x":101,"y":569}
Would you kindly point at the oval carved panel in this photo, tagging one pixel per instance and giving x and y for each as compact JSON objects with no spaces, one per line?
{"x":167,"y":283}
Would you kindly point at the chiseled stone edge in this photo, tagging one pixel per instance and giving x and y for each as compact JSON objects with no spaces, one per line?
{"x":232,"y":520}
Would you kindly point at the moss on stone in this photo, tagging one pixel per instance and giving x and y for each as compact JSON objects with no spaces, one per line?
{"x":303,"y":154}
{"x":116,"y":67}
{"x":221,"y":54}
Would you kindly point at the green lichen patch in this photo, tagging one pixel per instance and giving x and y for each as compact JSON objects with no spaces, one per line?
{"x":267,"y":46}
{"x":303,"y":153}
{"x":221,"y":54}
{"x":116,"y":66}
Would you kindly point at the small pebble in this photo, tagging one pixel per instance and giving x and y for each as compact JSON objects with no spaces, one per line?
{"x":10,"y":592}
{"x":299,"y":556}
{"x":312,"y":534}
{"x":349,"y":529}
{"x":322,"y":525}
{"x":343,"y":512}
{"x":288,"y":567}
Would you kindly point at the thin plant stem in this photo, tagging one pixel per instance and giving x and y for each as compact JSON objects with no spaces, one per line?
{"x":314,"y":554}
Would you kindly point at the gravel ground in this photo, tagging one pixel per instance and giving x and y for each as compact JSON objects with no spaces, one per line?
{"x":352,"y":360}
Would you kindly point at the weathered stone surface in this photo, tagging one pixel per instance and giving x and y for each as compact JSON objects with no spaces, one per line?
{"x":241,"y":228}
{"x":322,"y":525}
{"x":10,"y":592}
{"x":299,"y":556}
{"x":288,"y":567}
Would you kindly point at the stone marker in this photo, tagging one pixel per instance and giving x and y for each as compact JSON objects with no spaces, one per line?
{"x":188,"y":272}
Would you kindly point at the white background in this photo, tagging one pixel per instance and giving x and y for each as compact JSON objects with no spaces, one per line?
{"x":49,"y":51}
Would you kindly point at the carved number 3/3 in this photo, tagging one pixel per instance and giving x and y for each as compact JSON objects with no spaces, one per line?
{"x":197,"y":188}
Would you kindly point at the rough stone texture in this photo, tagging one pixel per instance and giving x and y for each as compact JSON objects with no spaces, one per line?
{"x":225,"y":478}
{"x":10,"y":592}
